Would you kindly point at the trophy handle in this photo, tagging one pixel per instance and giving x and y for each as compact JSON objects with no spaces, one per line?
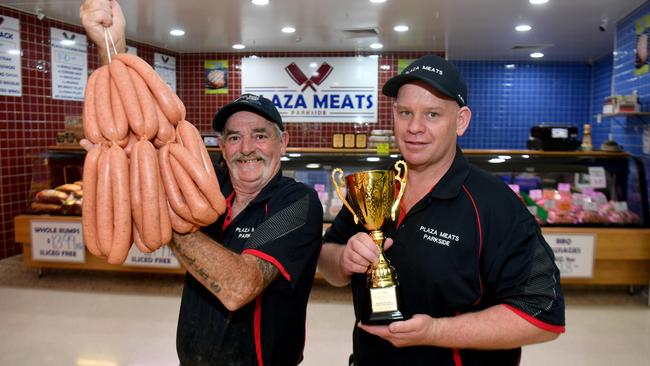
{"x":337,"y":180}
{"x":402,"y":172}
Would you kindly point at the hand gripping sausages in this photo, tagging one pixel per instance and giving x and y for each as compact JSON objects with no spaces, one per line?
{"x":119,"y":168}
{"x":169,"y":102}
{"x":91,"y":129}
{"x":89,"y":206}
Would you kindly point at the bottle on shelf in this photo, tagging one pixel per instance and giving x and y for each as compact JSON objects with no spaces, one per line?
{"x":586,"y":138}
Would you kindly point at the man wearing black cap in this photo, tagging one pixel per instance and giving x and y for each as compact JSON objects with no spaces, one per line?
{"x":245,"y":296}
{"x":477,"y":279}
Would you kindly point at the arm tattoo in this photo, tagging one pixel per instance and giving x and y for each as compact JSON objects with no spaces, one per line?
{"x":269,"y":271}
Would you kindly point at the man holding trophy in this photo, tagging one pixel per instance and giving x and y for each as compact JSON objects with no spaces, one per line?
{"x":446,"y":265}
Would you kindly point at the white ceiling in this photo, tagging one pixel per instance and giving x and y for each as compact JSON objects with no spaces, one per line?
{"x":464,"y":29}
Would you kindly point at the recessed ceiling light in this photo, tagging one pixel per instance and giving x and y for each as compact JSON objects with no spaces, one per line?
{"x":288,"y":30}
{"x":377,"y":1}
{"x":177,"y":32}
{"x":376,"y":46}
{"x":238,"y":46}
{"x":401,"y":28}
{"x":260,"y":2}
{"x":538,"y":2}
{"x":523,"y":28}
{"x":536,"y":55}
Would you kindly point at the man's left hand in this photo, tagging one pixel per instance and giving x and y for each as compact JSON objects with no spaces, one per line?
{"x":417,"y":331}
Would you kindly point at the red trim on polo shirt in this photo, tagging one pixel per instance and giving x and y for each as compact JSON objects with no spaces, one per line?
{"x":257,"y":329}
{"x":536,"y":322}
{"x":228,"y":219}
{"x":457,"y":359}
{"x":480,"y":241}
{"x":270,"y":259}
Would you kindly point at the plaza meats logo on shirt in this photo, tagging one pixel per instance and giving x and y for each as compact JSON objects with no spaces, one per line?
{"x":439,"y":237}
{"x":244,"y":232}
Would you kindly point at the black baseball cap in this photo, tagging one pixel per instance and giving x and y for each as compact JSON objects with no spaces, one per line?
{"x":251,"y":103}
{"x":434,"y":70}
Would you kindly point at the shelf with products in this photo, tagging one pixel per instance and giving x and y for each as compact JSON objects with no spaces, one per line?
{"x":594,"y":198}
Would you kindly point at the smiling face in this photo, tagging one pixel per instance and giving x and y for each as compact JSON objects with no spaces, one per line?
{"x":426,"y":126}
{"x":252,"y":147}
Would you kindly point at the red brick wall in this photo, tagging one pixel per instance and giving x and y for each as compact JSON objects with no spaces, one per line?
{"x":29,"y":124}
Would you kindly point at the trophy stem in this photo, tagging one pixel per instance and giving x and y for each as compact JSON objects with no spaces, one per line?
{"x":381,"y":273}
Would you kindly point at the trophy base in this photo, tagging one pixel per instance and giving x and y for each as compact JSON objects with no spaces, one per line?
{"x":384,"y":318}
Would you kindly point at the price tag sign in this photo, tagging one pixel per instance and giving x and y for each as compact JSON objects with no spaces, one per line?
{"x":161,"y":258}
{"x":597,"y":177}
{"x":574,"y":254}
{"x":57,"y":241}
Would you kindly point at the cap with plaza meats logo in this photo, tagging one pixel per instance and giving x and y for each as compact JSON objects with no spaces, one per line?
{"x":437,"y":72}
{"x":251,"y":103}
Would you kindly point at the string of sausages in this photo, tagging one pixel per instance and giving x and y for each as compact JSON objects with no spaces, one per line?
{"x":146,"y":171}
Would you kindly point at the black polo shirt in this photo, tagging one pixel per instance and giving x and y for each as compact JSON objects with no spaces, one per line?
{"x":282,"y":225}
{"x":469,"y":244}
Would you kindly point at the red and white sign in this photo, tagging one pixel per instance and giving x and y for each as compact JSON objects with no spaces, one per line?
{"x":315,"y":89}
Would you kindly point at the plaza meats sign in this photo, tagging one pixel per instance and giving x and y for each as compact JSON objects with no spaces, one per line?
{"x":334,"y":89}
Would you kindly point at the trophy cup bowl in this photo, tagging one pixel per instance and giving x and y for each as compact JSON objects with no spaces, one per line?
{"x":373,"y":200}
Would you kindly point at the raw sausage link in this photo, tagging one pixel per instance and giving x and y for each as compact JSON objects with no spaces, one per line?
{"x":174,"y":194}
{"x":147,"y":102}
{"x":125,"y":86}
{"x":149,"y":181}
{"x":178,"y":223}
{"x":121,"y":206}
{"x":119,"y":115}
{"x":103,"y":105}
{"x":209,"y":187}
{"x":169,"y":102}
{"x":166,"y":131}
{"x":137,"y":239}
{"x":165,"y":220}
{"x":91,"y":129}
{"x":201,"y":211}
{"x":134,"y":181}
{"x":104,"y":203}
{"x":89,"y":206}
{"x":192,"y":139}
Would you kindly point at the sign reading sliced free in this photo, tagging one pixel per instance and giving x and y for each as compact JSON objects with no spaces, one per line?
{"x":59,"y":241}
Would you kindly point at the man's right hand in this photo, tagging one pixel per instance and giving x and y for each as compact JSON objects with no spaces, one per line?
{"x":360,"y":252}
{"x":99,"y":14}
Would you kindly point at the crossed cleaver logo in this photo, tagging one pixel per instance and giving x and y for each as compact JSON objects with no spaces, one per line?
{"x":317,"y":78}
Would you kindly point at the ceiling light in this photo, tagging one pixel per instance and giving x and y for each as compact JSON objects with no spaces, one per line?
{"x":536,"y":55}
{"x":288,"y":30}
{"x":401,"y":28}
{"x":377,"y":1}
{"x":67,"y":42}
{"x":260,"y":2}
{"x":376,"y":46}
{"x":538,"y":2}
{"x":238,"y":46}
{"x":523,"y":28}
{"x":177,"y":32}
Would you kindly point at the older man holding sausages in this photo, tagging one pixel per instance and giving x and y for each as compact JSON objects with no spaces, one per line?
{"x":250,"y":273}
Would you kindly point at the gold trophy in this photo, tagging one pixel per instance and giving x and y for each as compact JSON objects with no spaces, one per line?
{"x":371,"y":199}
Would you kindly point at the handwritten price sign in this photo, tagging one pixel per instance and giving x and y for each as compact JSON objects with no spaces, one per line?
{"x":57,"y":241}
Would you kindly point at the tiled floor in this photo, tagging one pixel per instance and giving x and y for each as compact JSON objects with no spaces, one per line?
{"x":100,"y":319}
